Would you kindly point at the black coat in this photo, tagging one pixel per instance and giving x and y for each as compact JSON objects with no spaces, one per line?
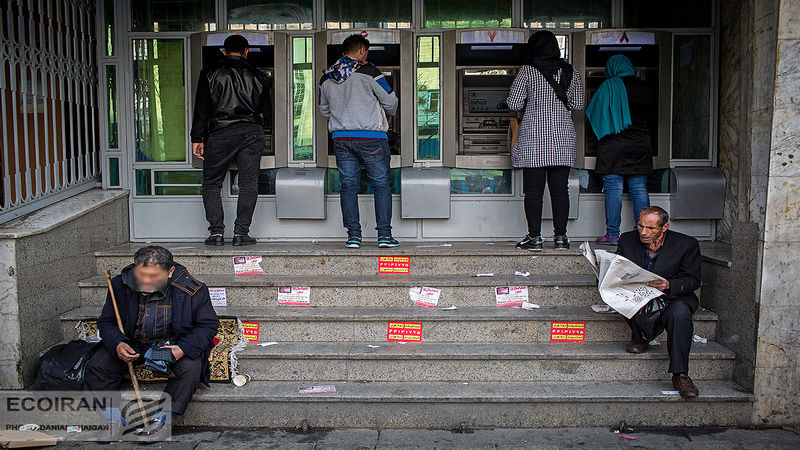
{"x":678,"y":262}
{"x":630,"y":151}
{"x":194,"y":321}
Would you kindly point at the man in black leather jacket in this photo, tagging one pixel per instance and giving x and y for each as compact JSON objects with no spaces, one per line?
{"x":230,"y":109}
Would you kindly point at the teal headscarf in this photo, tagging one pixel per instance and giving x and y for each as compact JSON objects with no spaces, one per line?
{"x":608,"y":112}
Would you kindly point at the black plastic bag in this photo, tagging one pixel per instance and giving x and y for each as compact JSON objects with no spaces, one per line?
{"x":648,"y":319}
{"x":62,"y":367}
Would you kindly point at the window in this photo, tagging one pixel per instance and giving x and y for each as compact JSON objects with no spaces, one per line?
{"x":266,"y":182}
{"x":672,"y":14}
{"x":577,"y":14}
{"x":178,"y":182}
{"x":111,"y":106}
{"x":428,"y":97}
{"x":303,"y":85}
{"x":691,"y":97}
{"x":173,"y":15}
{"x":113,"y":172}
{"x":108,"y":21}
{"x":334,"y":186}
{"x":143,"y":182}
{"x":169,"y":182}
{"x":360,"y":14}
{"x":159,"y":100}
{"x":467,"y":13}
{"x":270,"y":15}
{"x":480,"y":181}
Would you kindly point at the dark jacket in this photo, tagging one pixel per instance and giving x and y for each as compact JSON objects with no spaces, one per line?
{"x":194,"y":322}
{"x":678,"y":262}
{"x":630,"y":152}
{"x":230,"y":91}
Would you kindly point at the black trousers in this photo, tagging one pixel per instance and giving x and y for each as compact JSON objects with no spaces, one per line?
{"x":104,"y":373}
{"x":533,"y":179}
{"x":219,"y":152}
{"x":677,"y":320}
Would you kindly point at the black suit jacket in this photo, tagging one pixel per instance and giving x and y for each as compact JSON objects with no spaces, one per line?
{"x":678,"y":262}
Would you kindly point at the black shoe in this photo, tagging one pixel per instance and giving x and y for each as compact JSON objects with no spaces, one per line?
{"x":215,"y":239}
{"x":531,"y":243}
{"x":561,"y":242}
{"x":243,"y":239}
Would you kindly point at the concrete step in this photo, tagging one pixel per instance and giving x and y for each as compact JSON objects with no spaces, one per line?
{"x":470,"y":361}
{"x":465,"y":258}
{"x":468,"y":324}
{"x":385,"y":290}
{"x":479,"y":404}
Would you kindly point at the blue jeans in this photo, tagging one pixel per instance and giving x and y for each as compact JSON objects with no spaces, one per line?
{"x":373,"y":155}
{"x":612,"y":185}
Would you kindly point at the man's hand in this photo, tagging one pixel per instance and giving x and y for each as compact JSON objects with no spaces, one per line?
{"x":661,"y":285}
{"x":197,"y":149}
{"x":176,"y":351}
{"x":125,"y":352}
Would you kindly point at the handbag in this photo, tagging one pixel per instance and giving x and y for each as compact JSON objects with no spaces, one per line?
{"x":648,"y":318}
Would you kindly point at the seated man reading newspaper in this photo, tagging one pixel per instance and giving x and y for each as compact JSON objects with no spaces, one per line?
{"x":671,"y":263}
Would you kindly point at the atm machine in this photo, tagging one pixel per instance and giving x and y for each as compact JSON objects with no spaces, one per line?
{"x":425,"y":191}
{"x":695,"y":192}
{"x":651,"y":55}
{"x":266,"y":48}
{"x":479,"y":66}
{"x":392,"y":51}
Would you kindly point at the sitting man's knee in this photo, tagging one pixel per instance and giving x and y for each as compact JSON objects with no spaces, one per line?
{"x":678,"y":310}
{"x":187,"y":366}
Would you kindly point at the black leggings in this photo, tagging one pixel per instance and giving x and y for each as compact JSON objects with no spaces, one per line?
{"x":533,"y":179}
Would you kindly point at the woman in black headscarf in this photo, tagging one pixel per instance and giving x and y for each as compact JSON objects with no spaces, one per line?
{"x":546,"y":89}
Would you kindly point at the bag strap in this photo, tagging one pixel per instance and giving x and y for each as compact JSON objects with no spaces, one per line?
{"x":561,"y":93}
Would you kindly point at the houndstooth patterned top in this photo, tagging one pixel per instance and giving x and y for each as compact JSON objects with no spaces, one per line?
{"x":546,"y":133}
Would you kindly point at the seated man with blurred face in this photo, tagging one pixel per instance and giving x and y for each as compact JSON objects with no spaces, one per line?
{"x":161,"y":306}
{"x":676,"y":258}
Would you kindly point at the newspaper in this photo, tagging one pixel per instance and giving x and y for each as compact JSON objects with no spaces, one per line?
{"x":622,"y":284}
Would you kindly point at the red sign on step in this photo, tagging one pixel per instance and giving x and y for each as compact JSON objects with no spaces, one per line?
{"x":251,"y":331}
{"x":404,"y":331}
{"x":396,"y":265}
{"x":567,"y":331}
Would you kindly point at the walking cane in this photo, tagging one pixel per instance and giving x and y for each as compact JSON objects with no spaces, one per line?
{"x":130,"y":363}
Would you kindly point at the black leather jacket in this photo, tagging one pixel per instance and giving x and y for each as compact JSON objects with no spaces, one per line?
{"x":229,"y":92}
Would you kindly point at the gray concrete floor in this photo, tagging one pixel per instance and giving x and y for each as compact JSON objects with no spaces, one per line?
{"x":655,"y":438}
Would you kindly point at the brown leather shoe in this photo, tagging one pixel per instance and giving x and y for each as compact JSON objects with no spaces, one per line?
{"x":636,"y":347}
{"x":685,"y":385}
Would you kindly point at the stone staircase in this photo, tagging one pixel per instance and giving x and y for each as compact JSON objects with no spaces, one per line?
{"x":479,"y":364}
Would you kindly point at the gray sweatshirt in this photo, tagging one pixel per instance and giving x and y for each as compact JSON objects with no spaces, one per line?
{"x":356,"y":99}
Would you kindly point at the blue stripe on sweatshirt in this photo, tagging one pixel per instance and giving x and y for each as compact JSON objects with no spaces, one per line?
{"x":384,"y":84}
{"x":363,"y":134}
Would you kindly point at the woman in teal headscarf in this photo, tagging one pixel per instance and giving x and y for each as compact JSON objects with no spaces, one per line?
{"x":621,"y":113}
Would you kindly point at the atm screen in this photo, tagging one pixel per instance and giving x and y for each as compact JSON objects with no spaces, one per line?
{"x":487,"y":101}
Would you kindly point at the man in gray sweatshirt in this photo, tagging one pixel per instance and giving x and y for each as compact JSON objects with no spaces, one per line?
{"x":358,"y":102}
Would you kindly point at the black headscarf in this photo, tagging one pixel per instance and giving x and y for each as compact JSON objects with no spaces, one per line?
{"x":545,"y":55}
